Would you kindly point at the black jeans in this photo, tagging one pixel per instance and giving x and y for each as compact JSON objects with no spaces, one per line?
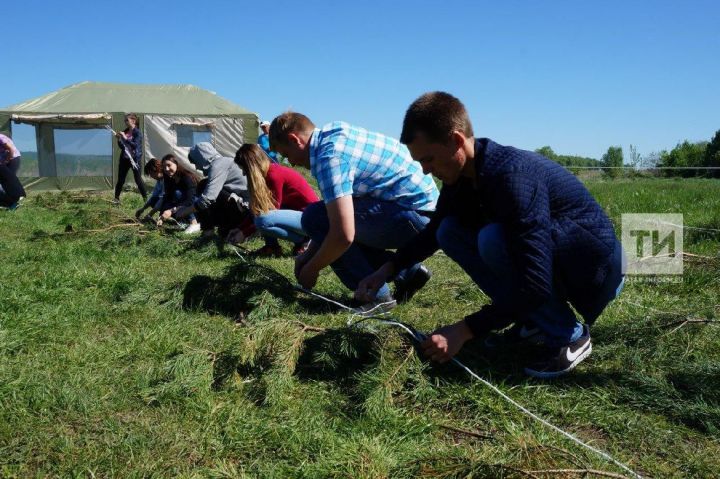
{"x":123,"y":169}
{"x":225,"y":212}
{"x":12,"y":189}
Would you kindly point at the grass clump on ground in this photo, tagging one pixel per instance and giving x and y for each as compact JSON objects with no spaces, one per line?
{"x":130,"y":351}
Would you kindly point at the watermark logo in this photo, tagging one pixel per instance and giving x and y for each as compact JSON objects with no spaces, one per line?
{"x":653,"y":243}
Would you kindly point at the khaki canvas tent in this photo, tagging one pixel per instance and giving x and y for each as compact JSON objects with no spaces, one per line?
{"x":172,"y":118}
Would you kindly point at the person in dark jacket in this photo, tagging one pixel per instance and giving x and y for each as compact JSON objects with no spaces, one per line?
{"x":130,"y":142}
{"x":179,"y":191}
{"x":527,"y":232}
{"x":11,"y":190}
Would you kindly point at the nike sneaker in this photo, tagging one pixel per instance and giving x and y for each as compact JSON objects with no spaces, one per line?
{"x":562,"y":360}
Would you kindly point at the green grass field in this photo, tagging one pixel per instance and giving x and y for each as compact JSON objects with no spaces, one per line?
{"x":130,"y":352}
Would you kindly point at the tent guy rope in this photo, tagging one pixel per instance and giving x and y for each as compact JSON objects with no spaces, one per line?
{"x":419,"y":337}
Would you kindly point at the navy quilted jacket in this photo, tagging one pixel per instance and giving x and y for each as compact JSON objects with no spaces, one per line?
{"x":554,"y":229}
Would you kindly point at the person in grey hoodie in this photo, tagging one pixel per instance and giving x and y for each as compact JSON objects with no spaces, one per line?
{"x":222,"y":196}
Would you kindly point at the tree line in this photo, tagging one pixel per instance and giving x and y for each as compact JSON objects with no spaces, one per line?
{"x":682,"y":158}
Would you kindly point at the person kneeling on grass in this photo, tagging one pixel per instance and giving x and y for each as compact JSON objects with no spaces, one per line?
{"x":278,"y":196}
{"x":11,"y":190}
{"x":525,"y":229}
{"x":375,"y":198}
{"x":179,"y":185}
{"x":153,"y":169}
{"x":222,"y":195}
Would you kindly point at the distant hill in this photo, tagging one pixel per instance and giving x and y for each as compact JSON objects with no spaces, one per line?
{"x":68,"y":165}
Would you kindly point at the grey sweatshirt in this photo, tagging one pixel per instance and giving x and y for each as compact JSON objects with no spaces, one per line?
{"x":222,"y":174}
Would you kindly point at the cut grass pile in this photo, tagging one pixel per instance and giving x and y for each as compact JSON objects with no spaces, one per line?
{"x":128,"y":351}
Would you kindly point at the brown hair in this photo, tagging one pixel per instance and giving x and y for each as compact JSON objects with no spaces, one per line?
{"x":153,"y":166}
{"x":288,"y":122}
{"x":437,"y":115}
{"x":255,"y":164}
{"x":181,"y":170}
{"x":134,"y":117}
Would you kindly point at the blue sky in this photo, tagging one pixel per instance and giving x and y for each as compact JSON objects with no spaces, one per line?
{"x":576,"y":75}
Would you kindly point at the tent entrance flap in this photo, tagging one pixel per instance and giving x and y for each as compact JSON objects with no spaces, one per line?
{"x":165,"y":134}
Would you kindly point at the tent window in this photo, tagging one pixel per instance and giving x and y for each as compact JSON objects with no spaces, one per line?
{"x":25,"y":138}
{"x":83,"y":152}
{"x":190,"y":135}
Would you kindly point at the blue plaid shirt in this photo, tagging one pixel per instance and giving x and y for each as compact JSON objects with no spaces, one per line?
{"x":347,"y":160}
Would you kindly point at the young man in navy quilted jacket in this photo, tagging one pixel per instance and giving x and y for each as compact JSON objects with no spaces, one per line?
{"x":527,"y":232}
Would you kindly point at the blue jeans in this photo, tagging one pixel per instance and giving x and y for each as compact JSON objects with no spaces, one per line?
{"x":281,"y":224}
{"x":484,"y":256}
{"x":178,"y":201}
{"x":379,"y":226}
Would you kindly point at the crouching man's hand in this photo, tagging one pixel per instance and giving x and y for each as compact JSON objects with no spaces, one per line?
{"x":308,"y":275}
{"x":369,"y":286}
{"x":445,"y":343}
{"x":302,"y":259}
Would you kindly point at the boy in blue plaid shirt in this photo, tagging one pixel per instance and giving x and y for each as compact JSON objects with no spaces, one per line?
{"x":375,"y":198}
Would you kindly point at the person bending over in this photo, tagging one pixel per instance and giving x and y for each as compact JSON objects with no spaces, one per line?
{"x":153,"y":169}
{"x":222,"y":196}
{"x":278,"y":196}
{"x":375,"y":198}
{"x":525,"y":229}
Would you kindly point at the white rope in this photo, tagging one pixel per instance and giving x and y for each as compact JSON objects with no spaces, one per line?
{"x":307,"y":291}
{"x":369,"y":312}
{"x":640,"y":169}
{"x":546,"y":423}
{"x":667,"y":223}
{"x":420,"y":337}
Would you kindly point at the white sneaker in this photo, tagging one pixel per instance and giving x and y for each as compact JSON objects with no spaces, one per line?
{"x":192,"y":229}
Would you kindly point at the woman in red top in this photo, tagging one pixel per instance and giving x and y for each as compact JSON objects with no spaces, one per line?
{"x":278,"y":195}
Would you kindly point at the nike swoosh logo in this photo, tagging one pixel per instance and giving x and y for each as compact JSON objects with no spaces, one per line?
{"x":573,"y":356}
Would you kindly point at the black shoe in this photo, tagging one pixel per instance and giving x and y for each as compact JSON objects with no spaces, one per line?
{"x":406,"y":289}
{"x":515,"y":336}
{"x":300,"y":248}
{"x":377,"y":307}
{"x":268,"y":251}
{"x":562,"y":360}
